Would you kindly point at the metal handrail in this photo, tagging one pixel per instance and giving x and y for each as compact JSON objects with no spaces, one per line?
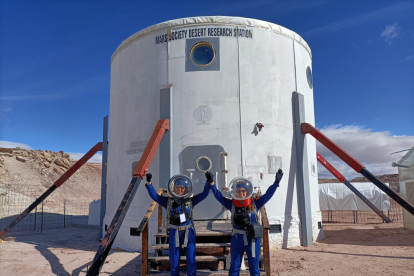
{"x":149,"y":212}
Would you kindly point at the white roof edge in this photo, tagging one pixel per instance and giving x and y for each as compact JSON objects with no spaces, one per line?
{"x":409,"y":157}
{"x":212,"y":20}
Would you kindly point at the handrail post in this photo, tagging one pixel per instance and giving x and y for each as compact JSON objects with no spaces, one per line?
{"x":144,"y":254}
{"x":160,"y":222}
{"x":266,"y":249}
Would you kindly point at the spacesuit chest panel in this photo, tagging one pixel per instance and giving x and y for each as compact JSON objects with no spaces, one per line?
{"x":180,"y":214}
{"x":243,"y":217}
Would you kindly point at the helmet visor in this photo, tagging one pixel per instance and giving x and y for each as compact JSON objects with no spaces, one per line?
{"x":180,"y":186}
{"x":240,"y":188}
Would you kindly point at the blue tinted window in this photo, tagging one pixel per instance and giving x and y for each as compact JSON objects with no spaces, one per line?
{"x":202,"y":54}
{"x":309,"y":77}
{"x":203,"y":164}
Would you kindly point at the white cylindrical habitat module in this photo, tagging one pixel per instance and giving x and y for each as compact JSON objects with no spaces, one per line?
{"x":226,"y":85}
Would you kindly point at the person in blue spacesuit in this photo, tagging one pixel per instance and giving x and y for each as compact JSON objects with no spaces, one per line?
{"x":246,"y":230}
{"x":179,"y":220}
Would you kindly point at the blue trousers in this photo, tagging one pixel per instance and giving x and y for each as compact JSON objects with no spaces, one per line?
{"x":190,"y":252}
{"x":237,"y":250}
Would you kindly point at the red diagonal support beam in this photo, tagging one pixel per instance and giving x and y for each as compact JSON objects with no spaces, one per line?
{"x":142,"y":168}
{"x":330,"y":168}
{"x":140,"y":171}
{"x":341,"y":178}
{"x":308,"y":128}
{"x":55,"y":185}
{"x":358,"y":167}
{"x":77,"y":165}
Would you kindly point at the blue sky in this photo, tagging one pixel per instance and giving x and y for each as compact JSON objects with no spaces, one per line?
{"x":55,"y":63}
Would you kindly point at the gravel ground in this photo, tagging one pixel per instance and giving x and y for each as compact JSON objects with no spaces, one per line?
{"x":375,"y":249}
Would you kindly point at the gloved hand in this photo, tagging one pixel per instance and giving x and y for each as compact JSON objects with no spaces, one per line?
{"x":149,"y":176}
{"x":209,"y":177}
{"x":279,"y":176}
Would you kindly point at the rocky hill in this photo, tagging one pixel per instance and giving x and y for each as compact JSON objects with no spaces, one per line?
{"x":32,"y":172}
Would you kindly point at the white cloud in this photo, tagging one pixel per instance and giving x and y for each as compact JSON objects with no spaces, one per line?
{"x":372,"y":149}
{"x":97,"y":158}
{"x":95,"y":84}
{"x":7,"y":144}
{"x":410,"y":57}
{"x":35,"y":97}
{"x":3,"y":111}
{"x":391,"y":32}
{"x":360,"y":19}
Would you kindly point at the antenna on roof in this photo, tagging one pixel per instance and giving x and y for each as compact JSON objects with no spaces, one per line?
{"x":398,"y":165}
{"x":399,"y":151}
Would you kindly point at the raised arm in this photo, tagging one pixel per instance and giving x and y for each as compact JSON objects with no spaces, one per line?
{"x":161,"y":200}
{"x":270,"y":192}
{"x":217,"y":194}
{"x":220,"y":198}
{"x":201,"y":196}
{"x":224,"y":201}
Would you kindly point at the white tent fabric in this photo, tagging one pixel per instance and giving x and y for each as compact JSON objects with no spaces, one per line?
{"x":337,"y":196}
{"x":94,"y":212}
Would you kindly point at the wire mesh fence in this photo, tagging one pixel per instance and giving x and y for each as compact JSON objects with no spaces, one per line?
{"x":353,"y":217}
{"x":50,"y":214}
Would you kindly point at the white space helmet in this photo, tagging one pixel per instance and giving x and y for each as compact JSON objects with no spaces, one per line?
{"x":180,"y":186}
{"x":241,"y":190}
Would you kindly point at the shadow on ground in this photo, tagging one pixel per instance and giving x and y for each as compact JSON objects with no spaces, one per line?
{"x":369,"y":237}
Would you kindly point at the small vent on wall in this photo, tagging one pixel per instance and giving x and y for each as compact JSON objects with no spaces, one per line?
{"x":319,"y":224}
{"x":275,"y":228}
{"x":134,"y":232}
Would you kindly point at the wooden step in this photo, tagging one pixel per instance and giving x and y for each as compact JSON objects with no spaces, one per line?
{"x":200,"y":233}
{"x":198,"y":258}
{"x":207,"y":228}
{"x":198,"y":245}
{"x":183,"y":258}
{"x":202,"y":272}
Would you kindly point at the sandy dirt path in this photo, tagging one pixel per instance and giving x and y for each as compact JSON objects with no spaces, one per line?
{"x":378,"y":249}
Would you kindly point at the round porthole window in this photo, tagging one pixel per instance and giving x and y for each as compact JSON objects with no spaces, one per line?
{"x":309,"y":77}
{"x":202,"y":54}
{"x":203,"y":164}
